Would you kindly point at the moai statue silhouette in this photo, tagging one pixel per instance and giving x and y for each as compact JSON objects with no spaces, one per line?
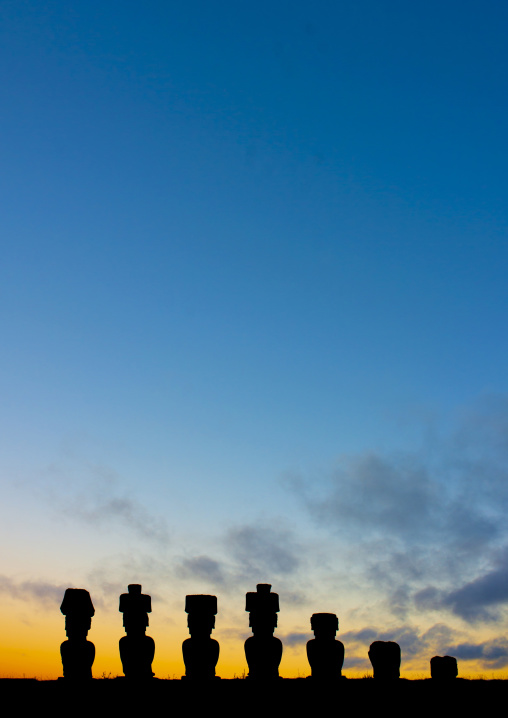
{"x":136,"y":648}
{"x":385,"y":659}
{"x":77,"y":653}
{"x":200,"y":651}
{"x":443,"y":667}
{"x":263,"y":650}
{"x":325,"y":654}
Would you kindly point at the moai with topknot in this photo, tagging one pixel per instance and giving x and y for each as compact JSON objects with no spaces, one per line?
{"x":263,"y":650}
{"x":443,"y":668}
{"x":325,"y":654}
{"x":200,"y":651}
{"x":136,"y":648}
{"x":77,"y":653}
{"x":385,"y":659}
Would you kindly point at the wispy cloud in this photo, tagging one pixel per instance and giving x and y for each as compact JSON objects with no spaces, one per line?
{"x":94,"y":494}
{"x":104,"y":511}
{"x":476,"y":600}
{"x":425,"y":528}
{"x":40,"y":591}
{"x":202,"y":567}
{"x":492,"y":653}
{"x":264,"y":549}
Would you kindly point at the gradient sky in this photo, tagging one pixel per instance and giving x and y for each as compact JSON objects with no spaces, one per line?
{"x":253,"y":309}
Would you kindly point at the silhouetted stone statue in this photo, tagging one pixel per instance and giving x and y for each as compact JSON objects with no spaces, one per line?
{"x":200,"y":651}
{"x":325,"y":654}
{"x":443,"y":667}
{"x":263,"y":650}
{"x":77,"y":653}
{"x":136,"y":649}
{"x":385,"y":659}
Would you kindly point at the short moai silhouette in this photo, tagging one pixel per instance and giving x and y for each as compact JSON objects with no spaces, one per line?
{"x":263,"y":650}
{"x":136,"y":648}
{"x":200,"y":651}
{"x":325,"y":654}
{"x":443,"y":667}
{"x":77,"y":653}
{"x":385,"y":659}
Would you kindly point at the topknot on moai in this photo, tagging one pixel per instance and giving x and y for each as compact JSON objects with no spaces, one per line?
{"x":136,"y":649}
{"x":263,"y":650}
{"x":200,"y":651}
{"x":77,"y":653}
{"x":325,"y":654}
{"x":385,"y":659}
{"x":443,"y":667}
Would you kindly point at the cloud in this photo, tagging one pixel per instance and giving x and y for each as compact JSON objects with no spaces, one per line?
{"x":249,"y":554}
{"x":423,"y":529}
{"x":262,"y":550}
{"x":295,"y":639}
{"x":476,"y":600}
{"x":103,"y":511}
{"x":492,"y":653}
{"x":94,"y":495}
{"x":40,"y":591}
{"x":202,"y":567}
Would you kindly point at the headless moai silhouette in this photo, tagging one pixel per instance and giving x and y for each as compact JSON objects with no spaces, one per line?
{"x":77,"y":653}
{"x":200,"y":651}
{"x":136,"y":648}
{"x":385,"y":659}
{"x":443,"y":667}
{"x":263,"y":650}
{"x":325,"y":654}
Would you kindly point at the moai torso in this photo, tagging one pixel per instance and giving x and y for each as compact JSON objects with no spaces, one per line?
{"x":263,"y":650}
{"x":325,"y":654}
{"x":77,"y":653}
{"x":200,"y":651}
{"x":385,"y":659}
{"x":443,"y":667}
{"x":136,"y":649}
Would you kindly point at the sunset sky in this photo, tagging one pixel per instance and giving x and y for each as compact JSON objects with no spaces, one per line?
{"x":253,"y":308}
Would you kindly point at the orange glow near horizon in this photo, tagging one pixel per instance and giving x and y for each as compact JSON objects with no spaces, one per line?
{"x":31,"y":640}
{"x":33,"y":651}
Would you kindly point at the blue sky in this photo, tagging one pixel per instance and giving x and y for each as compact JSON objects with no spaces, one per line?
{"x":254,"y":254}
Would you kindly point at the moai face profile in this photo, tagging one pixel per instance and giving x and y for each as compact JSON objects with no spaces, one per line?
{"x":201,"y":611}
{"x":135,"y":607}
{"x":324,"y":625}
{"x":263,"y":606}
{"x":385,"y":659}
{"x":77,"y":653}
{"x":443,"y":667}
{"x":78,"y":610}
{"x":200,"y":651}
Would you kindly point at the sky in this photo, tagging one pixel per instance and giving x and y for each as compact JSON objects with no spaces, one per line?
{"x":252,"y":306}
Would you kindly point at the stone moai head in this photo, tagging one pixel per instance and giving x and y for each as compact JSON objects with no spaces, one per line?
{"x":385,"y":659}
{"x":324,"y":625}
{"x":443,"y":667}
{"x":263,"y":606}
{"x":135,"y":607}
{"x":78,"y":610}
{"x":201,"y":610}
